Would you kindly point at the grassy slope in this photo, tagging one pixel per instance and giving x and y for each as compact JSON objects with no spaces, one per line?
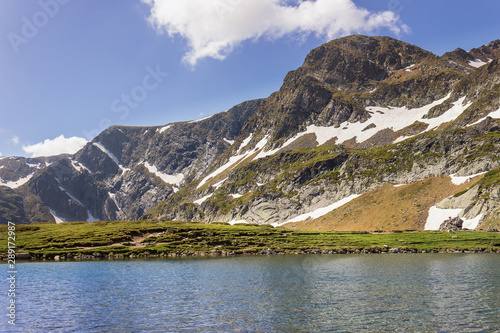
{"x":388,"y":208}
{"x":147,"y":237}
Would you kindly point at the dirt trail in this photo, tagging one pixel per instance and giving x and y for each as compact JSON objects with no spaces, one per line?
{"x":136,"y":240}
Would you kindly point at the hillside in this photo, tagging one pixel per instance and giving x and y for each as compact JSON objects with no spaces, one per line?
{"x":360,"y":115}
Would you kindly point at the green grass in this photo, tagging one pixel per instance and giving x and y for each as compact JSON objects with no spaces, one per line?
{"x":200,"y":239}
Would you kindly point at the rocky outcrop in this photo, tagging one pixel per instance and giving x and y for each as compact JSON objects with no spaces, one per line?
{"x":451,"y":224}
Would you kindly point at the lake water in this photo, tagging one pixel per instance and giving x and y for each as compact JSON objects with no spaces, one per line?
{"x":311,"y":293}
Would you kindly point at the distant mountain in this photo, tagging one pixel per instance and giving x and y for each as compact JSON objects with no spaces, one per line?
{"x":476,"y":57}
{"x":360,"y":116}
{"x":124,"y":171}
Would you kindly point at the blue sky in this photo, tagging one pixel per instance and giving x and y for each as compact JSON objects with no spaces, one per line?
{"x":71,"y":68}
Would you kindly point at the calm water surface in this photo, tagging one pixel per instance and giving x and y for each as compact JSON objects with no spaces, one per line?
{"x":339,"y":293}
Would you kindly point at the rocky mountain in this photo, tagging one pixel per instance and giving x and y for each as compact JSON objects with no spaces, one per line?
{"x":476,"y":57}
{"x":364,"y":118}
{"x":124,"y":171}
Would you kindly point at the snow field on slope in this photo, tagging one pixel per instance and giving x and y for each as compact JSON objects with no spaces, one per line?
{"x":169,"y":179}
{"x":320,"y":211}
{"x":57,"y":218}
{"x":439,"y":215}
{"x":163,"y":129}
{"x":478,"y":63}
{"x":383,"y":118}
{"x":203,"y":199}
{"x":236,"y":159}
{"x":458,"y":180}
{"x":17,"y":183}
{"x":233,"y":222}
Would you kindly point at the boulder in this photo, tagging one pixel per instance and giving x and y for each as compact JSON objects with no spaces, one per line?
{"x":451,"y":224}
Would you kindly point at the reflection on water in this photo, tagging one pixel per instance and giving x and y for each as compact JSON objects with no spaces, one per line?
{"x":343,"y":293}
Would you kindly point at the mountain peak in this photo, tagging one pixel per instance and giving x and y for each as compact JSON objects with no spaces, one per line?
{"x":476,"y":57}
{"x":350,"y":62}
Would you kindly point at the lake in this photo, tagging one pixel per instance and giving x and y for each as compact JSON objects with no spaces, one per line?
{"x":308,"y":293}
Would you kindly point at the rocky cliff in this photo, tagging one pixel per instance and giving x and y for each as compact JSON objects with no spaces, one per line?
{"x":124,"y":171}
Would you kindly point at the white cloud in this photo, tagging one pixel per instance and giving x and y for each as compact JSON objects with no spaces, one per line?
{"x":213,"y":28}
{"x":59,"y":145}
{"x":15,"y":140}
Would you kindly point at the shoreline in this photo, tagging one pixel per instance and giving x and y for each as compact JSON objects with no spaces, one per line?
{"x":148,"y":239}
{"x":26,"y":257}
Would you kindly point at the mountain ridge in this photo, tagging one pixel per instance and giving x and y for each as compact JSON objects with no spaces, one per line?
{"x":355,"y":100}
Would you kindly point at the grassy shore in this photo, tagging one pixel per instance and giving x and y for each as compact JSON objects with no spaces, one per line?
{"x":148,"y":238}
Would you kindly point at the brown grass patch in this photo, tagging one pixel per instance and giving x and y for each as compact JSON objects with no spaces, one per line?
{"x":388,"y":208}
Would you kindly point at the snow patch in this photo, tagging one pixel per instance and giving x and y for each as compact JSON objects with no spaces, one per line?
{"x":203,"y":199}
{"x":110,"y":154}
{"x":456,"y":110}
{"x":234,"y":160}
{"x":383,"y":118}
{"x":472,"y":223}
{"x":233,"y":222}
{"x":79,"y":166}
{"x":261,"y":143}
{"x":198,"y":120}
{"x":169,"y":179}
{"x":494,"y":115}
{"x":57,"y":218}
{"x":71,"y":196}
{"x":113,"y":197}
{"x":477,"y":63}
{"x":17,"y":183}
{"x":236,"y":195}
{"x":320,"y":211}
{"x":408,"y":69}
{"x":438,"y":215}
{"x":229,"y":141}
{"x":245,"y":142}
{"x":219,"y":184}
{"x":393,"y":118}
{"x":90,"y":217}
{"x":163,"y":129}
{"x":458,"y":180}
{"x":399,"y":185}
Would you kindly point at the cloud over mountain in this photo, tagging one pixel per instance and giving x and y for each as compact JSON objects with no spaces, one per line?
{"x":59,"y":145}
{"x":213,"y":28}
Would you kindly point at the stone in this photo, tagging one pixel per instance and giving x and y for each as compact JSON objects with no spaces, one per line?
{"x":23,"y":256}
{"x":451,"y":224}
{"x":268,"y":251}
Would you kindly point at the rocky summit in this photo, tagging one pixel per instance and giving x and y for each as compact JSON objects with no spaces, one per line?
{"x":370,"y":133}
